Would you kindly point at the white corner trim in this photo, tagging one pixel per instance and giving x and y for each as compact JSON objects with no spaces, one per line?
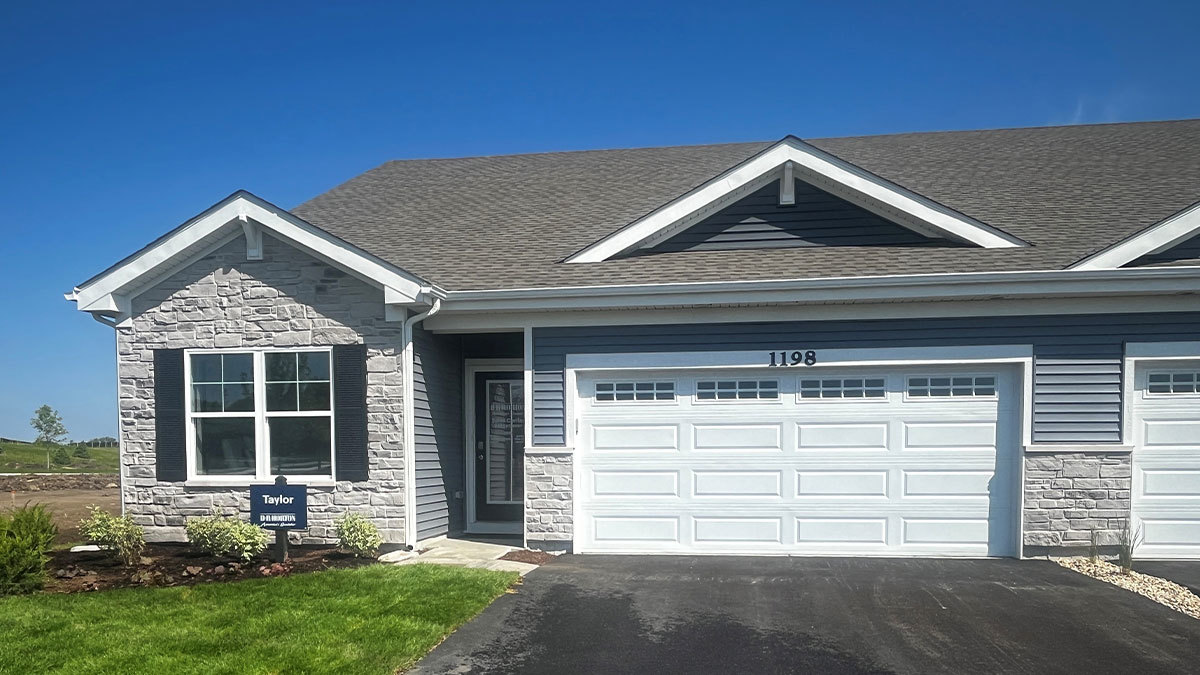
{"x":1155,"y":239}
{"x":813,"y":165}
{"x":109,"y":293}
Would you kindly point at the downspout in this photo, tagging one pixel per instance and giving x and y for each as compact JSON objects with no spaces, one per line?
{"x":409,"y":424}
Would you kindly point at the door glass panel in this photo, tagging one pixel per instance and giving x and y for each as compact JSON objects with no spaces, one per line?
{"x":505,"y":441}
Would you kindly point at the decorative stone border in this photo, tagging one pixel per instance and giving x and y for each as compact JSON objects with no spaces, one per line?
{"x":1159,"y":590}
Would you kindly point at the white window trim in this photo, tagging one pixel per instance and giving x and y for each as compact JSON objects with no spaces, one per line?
{"x":1138,"y":353}
{"x":737,"y":400}
{"x":1146,"y":393}
{"x":800,"y":400}
{"x":260,"y":415}
{"x":994,"y":396}
{"x":674,"y":400}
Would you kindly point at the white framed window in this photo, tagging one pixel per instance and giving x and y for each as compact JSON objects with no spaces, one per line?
{"x":258,"y":414}
{"x":737,"y":390}
{"x":842,"y":387}
{"x":619,"y":392}
{"x":952,"y":386}
{"x":1173,"y":382}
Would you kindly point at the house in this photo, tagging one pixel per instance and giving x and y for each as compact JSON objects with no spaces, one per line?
{"x":980,"y":343}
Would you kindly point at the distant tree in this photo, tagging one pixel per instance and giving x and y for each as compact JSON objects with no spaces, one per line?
{"x":60,"y":456}
{"x":49,"y":425}
{"x":81,"y":452}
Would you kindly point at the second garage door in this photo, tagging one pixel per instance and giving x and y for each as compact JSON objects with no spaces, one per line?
{"x":921,"y":461}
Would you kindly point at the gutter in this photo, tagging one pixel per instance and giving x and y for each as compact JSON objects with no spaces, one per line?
{"x":409,"y":423}
{"x":916,"y":287}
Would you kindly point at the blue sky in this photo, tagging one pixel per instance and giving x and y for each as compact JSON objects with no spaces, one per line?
{"x":121,"y":120}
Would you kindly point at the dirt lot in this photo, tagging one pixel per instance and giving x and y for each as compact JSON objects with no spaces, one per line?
{"x":69,"y":505}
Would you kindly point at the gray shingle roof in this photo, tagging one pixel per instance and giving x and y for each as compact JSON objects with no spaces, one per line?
{"x":509,"y":221}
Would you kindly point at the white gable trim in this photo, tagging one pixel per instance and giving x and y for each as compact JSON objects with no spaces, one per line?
{"x":813,"y":165}
{"x":240,"y":214}
{"x":1165,"y":235}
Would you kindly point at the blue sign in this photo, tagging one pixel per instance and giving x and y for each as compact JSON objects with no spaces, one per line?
{"x":279,"y":506}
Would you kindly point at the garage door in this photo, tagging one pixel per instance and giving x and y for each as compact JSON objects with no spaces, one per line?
{"x":1166,"y":459}
{"x":860,"y":462}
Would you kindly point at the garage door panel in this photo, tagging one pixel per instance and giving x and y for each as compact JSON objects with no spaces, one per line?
{"x":810,"y":436}
{"x":1166,"y":460}
{"x":946,"y":531}
{"x":801,"y":475}
{"x":606,"y":438}
{"x":730,"y":483}
{"x":635,"y":483}
{"x":737,"y":437}
{"x":943,"y":435}
{"x":841,"y":531}
{"x":841,"y":483}
{"x":716,"y":529}
{"x":935,"y":483}
{"x":1166,"y":432}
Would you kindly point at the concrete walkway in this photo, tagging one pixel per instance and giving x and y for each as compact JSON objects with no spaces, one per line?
{"x":461,"y":553}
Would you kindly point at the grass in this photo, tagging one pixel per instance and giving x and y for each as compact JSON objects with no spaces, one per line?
{"x":17,"y":457}
{"x":375,"y":619}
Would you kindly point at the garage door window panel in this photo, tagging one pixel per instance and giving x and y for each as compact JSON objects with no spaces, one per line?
{"x":1173,"y":383}
{"x":737,"y":390}
{"x":838,"y":388}
{"x":635,"y":392}
{"x":951,"y":386}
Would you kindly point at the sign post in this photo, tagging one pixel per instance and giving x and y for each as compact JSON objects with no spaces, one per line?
{"x":280,"y":507}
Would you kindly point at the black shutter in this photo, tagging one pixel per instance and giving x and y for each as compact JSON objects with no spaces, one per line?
{"x":170,"y":443}
{"x":350,"y":411}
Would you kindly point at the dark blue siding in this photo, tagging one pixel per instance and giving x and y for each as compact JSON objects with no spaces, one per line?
{"x":438,"y":410}
{"x":816,"y":219}
{"x":1077,"y":358}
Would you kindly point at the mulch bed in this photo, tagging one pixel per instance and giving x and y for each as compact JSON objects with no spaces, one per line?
{"x":526,"y":556}
{"x":181,"y":565}
{"x":87,"y":481}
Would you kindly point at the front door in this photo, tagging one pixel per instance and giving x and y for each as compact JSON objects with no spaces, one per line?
{"x":499,"y":446}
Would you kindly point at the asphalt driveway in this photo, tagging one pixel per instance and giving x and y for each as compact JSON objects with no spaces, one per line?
{"x":1186,"y":573}
{"x":638,"y":614}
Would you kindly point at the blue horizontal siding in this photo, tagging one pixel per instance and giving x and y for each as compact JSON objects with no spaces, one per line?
{"x":1078,"y":359}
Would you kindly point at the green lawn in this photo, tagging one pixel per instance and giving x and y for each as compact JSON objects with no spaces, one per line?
{"x":18,"y":457}
{"x":375,"y":619}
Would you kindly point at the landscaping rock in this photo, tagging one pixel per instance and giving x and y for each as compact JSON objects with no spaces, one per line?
{"x":1159,"y":590}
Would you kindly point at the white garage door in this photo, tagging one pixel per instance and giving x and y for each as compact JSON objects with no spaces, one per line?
{"x":1166,"y":459}
{"x":859,"y":462}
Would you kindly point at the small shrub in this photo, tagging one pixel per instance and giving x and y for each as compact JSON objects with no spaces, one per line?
{"x":1094,"y":546}
{"x":81,"y":452}
{"x":226,"y":536}
{"x":25,"y":537}
{"x":358,"y":535}
{"x":60,"y":456}
{"x":1128,"y":539}
{"x":116,"y":534}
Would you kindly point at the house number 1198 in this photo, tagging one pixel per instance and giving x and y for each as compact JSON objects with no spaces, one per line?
{"x":793,"y":358}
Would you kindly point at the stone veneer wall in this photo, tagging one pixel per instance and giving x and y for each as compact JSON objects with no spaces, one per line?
{"x":288,"y":299}
{"x":1070,"y":495}
{"x":549,"y":522}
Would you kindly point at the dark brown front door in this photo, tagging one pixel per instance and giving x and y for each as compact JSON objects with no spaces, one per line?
{"x":499,"y":446}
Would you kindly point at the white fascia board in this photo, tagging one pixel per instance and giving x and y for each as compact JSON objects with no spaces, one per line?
{"x":809,"y":162}
{"x":104,"y":293}
{"x":1158,"y":238}
{"x":1050,"y":283}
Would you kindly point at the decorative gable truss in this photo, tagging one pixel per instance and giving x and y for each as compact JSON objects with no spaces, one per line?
{"x":107,"y":296}
{"x":1175,"y":239}
{"x":801,"y":174}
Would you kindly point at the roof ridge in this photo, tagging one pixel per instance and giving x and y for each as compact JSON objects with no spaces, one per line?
{"x":578,"y":152}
